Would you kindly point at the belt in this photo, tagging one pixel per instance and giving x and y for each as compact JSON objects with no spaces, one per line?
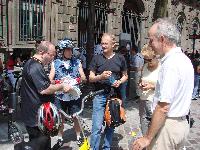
{"x":177,"y":118}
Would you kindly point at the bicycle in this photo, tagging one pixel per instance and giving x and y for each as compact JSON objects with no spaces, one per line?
{"x":8,"y":108}
{"x":85,"y":143}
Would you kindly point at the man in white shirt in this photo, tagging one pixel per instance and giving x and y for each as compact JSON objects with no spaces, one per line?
{"x":173,"y":92}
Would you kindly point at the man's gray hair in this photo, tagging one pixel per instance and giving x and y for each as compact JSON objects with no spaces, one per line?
{"x":168,"y":29}
{"x":43,"y":46}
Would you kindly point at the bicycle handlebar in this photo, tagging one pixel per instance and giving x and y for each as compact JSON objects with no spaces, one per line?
{"x":84,"y":99}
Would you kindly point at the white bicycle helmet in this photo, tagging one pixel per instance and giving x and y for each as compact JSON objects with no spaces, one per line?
{"x":49,"y":119}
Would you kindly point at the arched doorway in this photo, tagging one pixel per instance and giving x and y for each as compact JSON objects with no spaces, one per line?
{"x":100,"y":20}
{"x":181,"y":20}
{"x":131,"y":17}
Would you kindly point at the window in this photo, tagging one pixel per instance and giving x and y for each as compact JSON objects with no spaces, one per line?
{"x":1,"y":19}
{"x":31,"y":19}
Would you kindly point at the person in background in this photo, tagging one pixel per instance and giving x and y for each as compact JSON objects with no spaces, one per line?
{"x":196,"y":66}
{"x":10,"y":69}
{"x":147,"y":86}
{"x":123,"y":87}
{"x":136,"y":64}
{"x":169,"y":128}
{"x":98,"y":48}
{"x":18,"y":62}
{"x":37,"y":89}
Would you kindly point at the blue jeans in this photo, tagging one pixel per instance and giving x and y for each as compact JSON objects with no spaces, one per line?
{"x":196,"y":86}
{"x":123,"y":90}
{"x":11,"y":77}
{"x":99,"y":104}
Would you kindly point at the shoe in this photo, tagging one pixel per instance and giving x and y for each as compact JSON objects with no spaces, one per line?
{"x":58,"y":145}
{"x":194,"y":99}
{"x":79,"y":141}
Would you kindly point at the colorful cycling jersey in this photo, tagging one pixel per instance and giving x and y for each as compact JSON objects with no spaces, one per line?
{"x":66,"y":68}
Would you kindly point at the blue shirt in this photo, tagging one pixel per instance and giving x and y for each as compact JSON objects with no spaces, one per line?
{"x":64,"y":68}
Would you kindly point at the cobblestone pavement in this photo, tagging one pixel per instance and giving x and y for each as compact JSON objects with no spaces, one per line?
{"x":122,"y":139}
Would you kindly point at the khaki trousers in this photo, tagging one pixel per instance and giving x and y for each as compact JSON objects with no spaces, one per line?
{"x":171,"y":136}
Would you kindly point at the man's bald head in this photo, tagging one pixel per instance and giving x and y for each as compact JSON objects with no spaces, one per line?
{"x":44,"y":46}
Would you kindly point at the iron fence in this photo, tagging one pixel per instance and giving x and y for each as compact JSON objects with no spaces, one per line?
{"x":31,"y":19}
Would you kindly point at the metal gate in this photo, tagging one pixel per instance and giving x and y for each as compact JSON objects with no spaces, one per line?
{"x":100,"y":25}
{"x":31,"y":17}
{"x":131,"y":25}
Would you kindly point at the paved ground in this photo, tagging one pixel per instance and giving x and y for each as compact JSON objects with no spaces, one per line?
{"x":122,"y":138}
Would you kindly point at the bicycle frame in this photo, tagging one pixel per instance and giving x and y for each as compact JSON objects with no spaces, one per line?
{"x":85,"y":145}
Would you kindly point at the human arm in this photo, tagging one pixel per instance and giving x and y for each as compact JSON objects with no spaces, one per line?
{"x":52,"y":73}
{"x":94,"y":78}
{"x":157,"y":121}
{"x":121,"y":80}
{"x":82,"y":74}
{"x":52,"y":88}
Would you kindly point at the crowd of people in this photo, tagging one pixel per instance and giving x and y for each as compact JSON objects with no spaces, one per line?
{"x":163,"y":86}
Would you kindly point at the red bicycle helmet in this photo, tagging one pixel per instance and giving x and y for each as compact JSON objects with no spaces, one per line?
{"x":49,"y":119}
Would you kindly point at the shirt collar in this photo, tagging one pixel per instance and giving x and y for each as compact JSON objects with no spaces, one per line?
{"x":171,"y":52}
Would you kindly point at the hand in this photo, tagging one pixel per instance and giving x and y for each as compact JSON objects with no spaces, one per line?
{"x":66,"y":88}
{"x":141,"y":143}
{"x":146,"y":86}
{"x":116,"y":83}
{"x":106,"y":75}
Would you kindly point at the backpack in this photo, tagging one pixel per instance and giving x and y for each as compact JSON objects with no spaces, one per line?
{"x":114,"y":113}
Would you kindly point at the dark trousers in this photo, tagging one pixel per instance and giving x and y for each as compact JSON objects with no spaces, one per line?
{"x":36,"y":135}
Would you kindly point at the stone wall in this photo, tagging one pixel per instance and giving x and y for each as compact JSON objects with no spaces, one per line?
{"x":61,"y":20}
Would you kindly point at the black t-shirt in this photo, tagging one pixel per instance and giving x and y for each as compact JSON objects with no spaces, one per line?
{"x":116,"y":64}
{"x":34,"y":81}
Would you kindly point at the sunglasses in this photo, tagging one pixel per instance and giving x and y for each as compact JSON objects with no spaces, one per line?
{"x":148,"y":60}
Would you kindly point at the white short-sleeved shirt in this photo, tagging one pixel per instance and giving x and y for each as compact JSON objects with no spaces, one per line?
{"x":175,"y":83}
{"x":150,"y":77}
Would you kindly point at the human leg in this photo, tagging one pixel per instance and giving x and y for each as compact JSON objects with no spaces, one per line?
{"x":35,"y":133}
{"x":196,"y":86}
{"x":123,"y":88}
{"x":99,"y":103}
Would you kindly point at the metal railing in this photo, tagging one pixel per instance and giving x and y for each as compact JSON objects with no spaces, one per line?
{"x":131,"y":25}
{"x":31,"y":19}
{"x":100,"y":25}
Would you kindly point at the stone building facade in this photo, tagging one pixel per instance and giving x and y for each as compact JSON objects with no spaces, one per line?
{"x":22,"y":22}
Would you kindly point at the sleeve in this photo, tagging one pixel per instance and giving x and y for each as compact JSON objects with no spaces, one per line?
{"x":92,"y":66}
{"x":134,"y":62}
{"x":39,"y":78}
{"x":168,"y":84}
